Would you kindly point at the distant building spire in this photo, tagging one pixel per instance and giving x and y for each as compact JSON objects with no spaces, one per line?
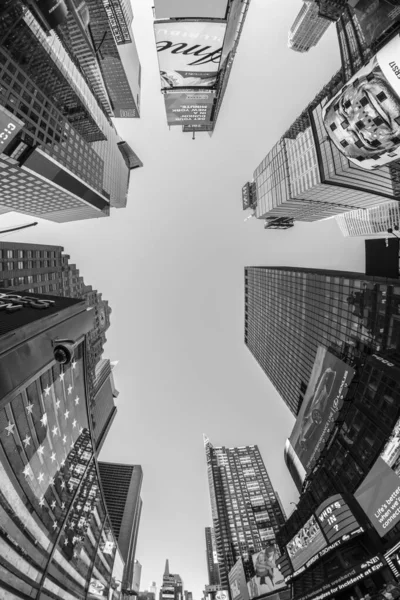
{"x":166,"y":572}
{"x":205,"y":439}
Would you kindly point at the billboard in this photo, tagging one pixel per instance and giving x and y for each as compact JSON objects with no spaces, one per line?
{"x":336,"y":519}
{"x":379,"y":493}
{"x":382,"y":258}
{"x":320,"y":408}
{"x":10,"y":126}
{"x":306,"y":544}
{"x":363,"y":119}
{"x":235,"y":14}
{"x":184,"y":108}
{"x":268,"y":577}
{"x":237,"y":582}
{"x":189,"y":52}
{"x":375,"y":17}
{"x":190,"y":9}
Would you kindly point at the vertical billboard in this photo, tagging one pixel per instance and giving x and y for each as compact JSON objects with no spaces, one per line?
{"x":322,"y":402}
{"x":237,"y":582}
{"x":336,"y":519}
{"x":268,"y":577}
{"x":379,"y":493}
{"x":375,"y":17}
{"x":190,"y":9}
{"x":10,"y":126}
{"x":189,"y":108}
{"x":235,"y":16}
{"x":363,"y":119}
{"x":306,"y":544}
{"x":189,"y":52}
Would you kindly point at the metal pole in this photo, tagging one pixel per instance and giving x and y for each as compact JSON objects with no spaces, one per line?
{"x":17,"y":228}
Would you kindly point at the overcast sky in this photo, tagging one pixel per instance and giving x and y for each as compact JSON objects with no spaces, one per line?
{"x":171,"y":265}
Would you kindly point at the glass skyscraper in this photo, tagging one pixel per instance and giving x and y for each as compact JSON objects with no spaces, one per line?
{"x":290,"y":311}
{"x":212,"y":557}
{"x":246,"y":513}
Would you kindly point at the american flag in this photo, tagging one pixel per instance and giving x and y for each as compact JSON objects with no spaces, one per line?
{"x":45,"y":435}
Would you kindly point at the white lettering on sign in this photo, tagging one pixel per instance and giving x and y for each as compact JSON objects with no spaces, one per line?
{"x":386,"y":362}
{"x":14,"y":302}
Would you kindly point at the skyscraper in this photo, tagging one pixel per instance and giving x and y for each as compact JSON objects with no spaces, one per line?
{"x":62,"y":153}
{"x":245,"y":511}
{"x":308,"y":27}
{"x":290,"y":311}
{"x":373,"y":221}
{"x":305,"y":177}
{"x":121,"y":486}
{"x":172,"y":585}
{"x":212,"y":557}
{"x":103,"y":409}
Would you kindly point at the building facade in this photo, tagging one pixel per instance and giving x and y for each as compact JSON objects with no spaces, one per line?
{"x":62,"y":159}
{"x":212,"y":557}
{"x":372,"y":221}
{"x":308,"y":27}
{"x":289,"y":312}
{"x":103,"y":409}
{"x":121,"y":486}
{"x":245,"y":511}
{"x":51,"y":500}
{"x":306,"y":178}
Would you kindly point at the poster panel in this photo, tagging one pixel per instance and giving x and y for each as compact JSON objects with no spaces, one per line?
{"x":187,"y":108}
{"x":268,"y":577}
{"x":375,"y":17}
{"x":363,"y":119}
{"x":237,"y":582}
{"x":306,"y":544}
{"x":320,"y":408}
{"x":189,"y":52}
{"x":336,"y":519}
{"x":190,"y":9}
{"x":379,"y":493}
{"x":10,"y":126}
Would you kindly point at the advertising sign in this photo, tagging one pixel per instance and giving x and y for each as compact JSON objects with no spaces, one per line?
{"x":320,"y":408}
{"x":9,"y":127}
{"x":336,"y":519}
{"x":363,"y":119}
{"x":185,"y":108}
{"x":375,"y":17}
{"x":189,"y":52}
{"x":345,"y":579}
{"x":268,"y":577}
{"x":235,"y":13}
{"x":190,"y":9}
{"x":308,"y":542}
{"x":55,"y":11}
{"x":237,"y":582}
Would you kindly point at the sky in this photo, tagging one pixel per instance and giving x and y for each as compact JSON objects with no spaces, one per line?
{"x":171,"y":265}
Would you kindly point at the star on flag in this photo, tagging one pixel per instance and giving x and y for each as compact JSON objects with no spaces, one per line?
{"x":29,"y":408}
{"x":66,"y":414}
{"x":51,"y":481}
{"x":57,"y":403}
{"x":64,"y":439}
{"x":27,"y":440}
{"x":43,"y":420}
{"x":62,"y":376}
{"x":66,"y":542}
{"x":53,"y":504}
{"x":40,"y":477}
{"x":28,"y":471}
{"x":69,"y":389}
{"x":40,"y":450}
{"x":62,"y":485}
{"x":73,"y":364}
{"x":55,"y":525}
{"x":10,"y":428}
{"x":41,"y":502}
{"x":77,"y":400}
{"x":54,"y":430}
{"x":74,"y":423}
{"x":47,"y":391}
{"x":53,"y":457}
{"x":62,"y":505}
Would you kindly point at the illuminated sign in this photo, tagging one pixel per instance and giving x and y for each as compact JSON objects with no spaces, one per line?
{"x":306,"y":544}
{"x":346,"y":579}
{"x":9,"y":127}
{"x":14,"y":302}
{"x":336,"y":519}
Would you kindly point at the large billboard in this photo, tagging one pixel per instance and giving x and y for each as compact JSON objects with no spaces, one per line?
{"x":336,"y":519}
{"x":188,"y":108}
{"x":190,"y":9}
{"x":189,"y":52}
{"x":375,"y":17}
{"x":237,"y":582}
{"x":268,"y":577}
{"x":235,"y":16}
{"x":363,"y":119}
{"x":320,"y":408}
{"x":306,"y":544}
{"x":10,"y":126}
{"x":379,"y":493}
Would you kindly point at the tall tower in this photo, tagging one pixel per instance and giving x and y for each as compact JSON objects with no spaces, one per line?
{"x":308,"y":27}
{"x":245,"y":511}
{"x":121,"y":486}
{"x":290,"y":311}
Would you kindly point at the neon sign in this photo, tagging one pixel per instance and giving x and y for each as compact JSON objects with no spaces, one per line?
{"x":14,"y":302}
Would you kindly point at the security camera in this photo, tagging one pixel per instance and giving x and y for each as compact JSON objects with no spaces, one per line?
{"x":63,"y":351}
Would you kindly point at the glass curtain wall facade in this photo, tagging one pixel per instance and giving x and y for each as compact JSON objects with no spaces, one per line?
{"x":245,"y":510}
{"x":212,"y":557}
{"x":373,"y":221}
{"x":308,"y":27}
{"x":289,"y":312}
{"x":55,"y":535}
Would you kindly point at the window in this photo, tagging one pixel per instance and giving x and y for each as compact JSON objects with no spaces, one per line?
{"x":9,"y":254}
{"x":20,"y":264}
{"x":20,"y":254}
{"x":29,"y":253}
{"x":10,"y":266}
